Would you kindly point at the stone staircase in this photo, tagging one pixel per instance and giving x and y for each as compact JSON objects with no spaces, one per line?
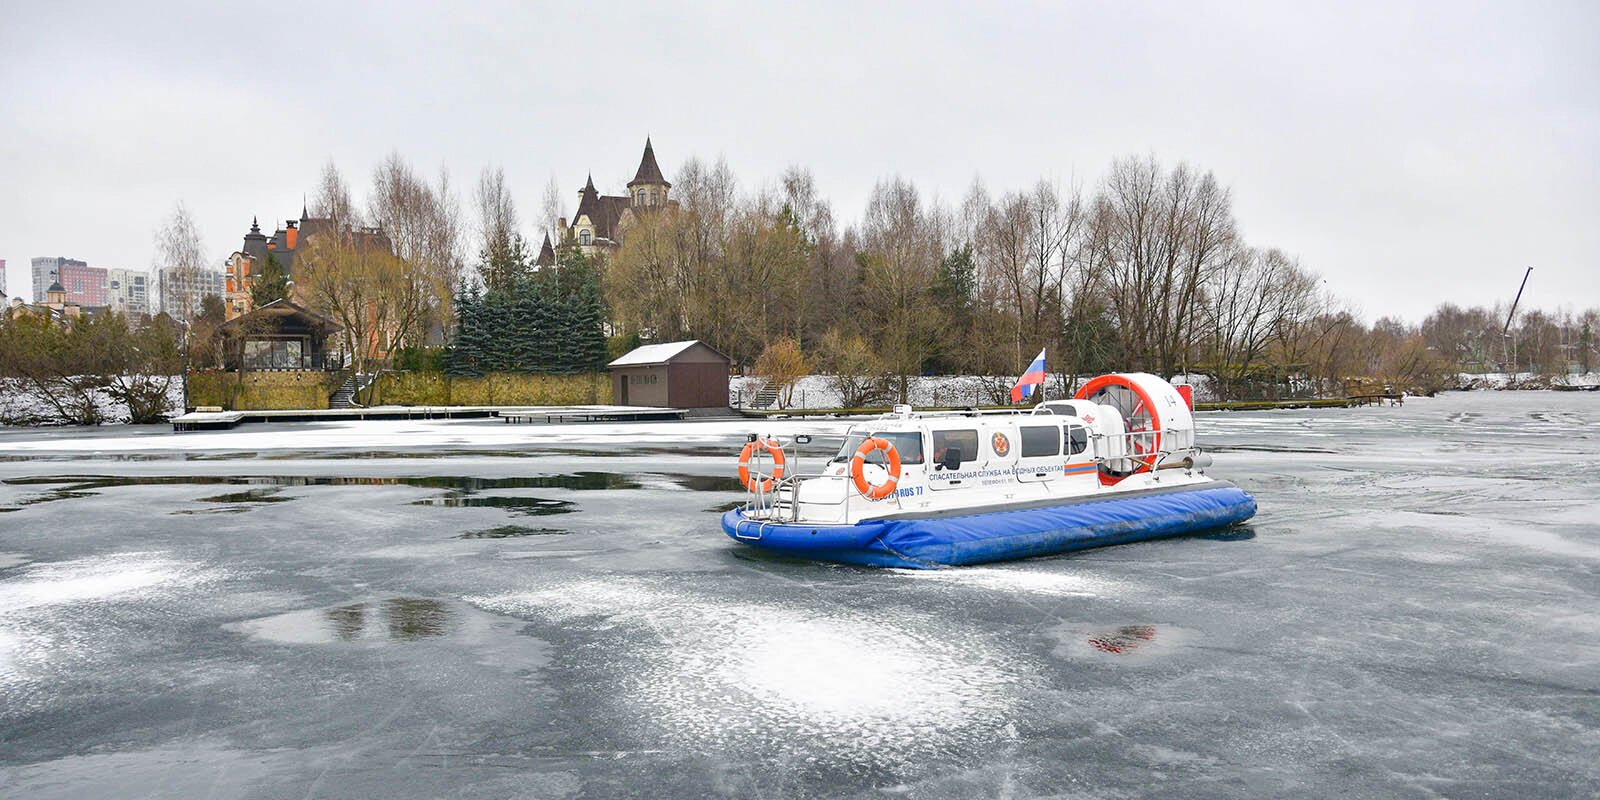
{"x":345,"y":395}
{"x":765,"y":397}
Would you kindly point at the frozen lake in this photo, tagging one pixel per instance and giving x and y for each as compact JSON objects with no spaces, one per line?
{"x":470,"y":609}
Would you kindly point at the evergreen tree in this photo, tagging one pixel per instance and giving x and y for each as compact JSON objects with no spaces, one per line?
{"x":1585,"y":347}
{"x":467,"y":348}
{"x":589,"y":326}
{"x":272,"y":284}
{"x":549,"y":321}
{"x":503,"y":263}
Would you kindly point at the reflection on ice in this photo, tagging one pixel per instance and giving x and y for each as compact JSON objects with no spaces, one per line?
{"x":511,"y":531}
{"x":398,"y":618}
{"x":1125,"y":639}
{"x":744,"y":673}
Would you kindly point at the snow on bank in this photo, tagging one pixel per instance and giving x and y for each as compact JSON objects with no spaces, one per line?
{"x":1525,"y":380}
{"x":20,"y":405}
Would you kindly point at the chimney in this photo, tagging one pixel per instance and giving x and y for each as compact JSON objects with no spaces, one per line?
{"x":291,"y":234}
{"x":562,"y":221}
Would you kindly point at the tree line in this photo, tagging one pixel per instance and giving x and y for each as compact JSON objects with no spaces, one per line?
{"x":1145,"y":270}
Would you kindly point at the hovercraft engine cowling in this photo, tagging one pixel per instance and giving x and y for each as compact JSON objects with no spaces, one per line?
{"x":1142,"y":421}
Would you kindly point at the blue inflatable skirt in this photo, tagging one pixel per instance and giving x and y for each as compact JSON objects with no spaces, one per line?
{"x":935,"y":539}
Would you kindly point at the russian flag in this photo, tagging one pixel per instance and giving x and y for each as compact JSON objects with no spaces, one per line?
{"x":1031,"y":377}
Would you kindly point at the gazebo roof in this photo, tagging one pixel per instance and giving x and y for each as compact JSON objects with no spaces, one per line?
{"x":278,"y":311}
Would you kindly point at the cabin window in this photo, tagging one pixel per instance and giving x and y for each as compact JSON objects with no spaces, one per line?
{"x":909,"y":445}
{"x":1040,"y":441}
{"x":1076,"y":439}
{"x":966,"y":440}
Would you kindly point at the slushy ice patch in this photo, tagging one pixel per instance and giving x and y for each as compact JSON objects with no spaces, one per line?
{"x":66,"y":613}
{"x":94,"y":579}
{"x":859,"y":687}
{"x":1024,"y":580}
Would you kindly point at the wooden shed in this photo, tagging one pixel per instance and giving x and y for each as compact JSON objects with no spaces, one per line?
{"x":688,"y":374}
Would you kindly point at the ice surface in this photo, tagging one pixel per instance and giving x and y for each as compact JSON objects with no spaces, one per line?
{"x":411,"y":434}
{"x":1411,"y":614}
{"x":736,"y":674}
{"x":1016,"y":579}
{"x":89,"y":579}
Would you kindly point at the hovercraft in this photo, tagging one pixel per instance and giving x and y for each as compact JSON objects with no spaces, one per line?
{"x":1116,"y":464}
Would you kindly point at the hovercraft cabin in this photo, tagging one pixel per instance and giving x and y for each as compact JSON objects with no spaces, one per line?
{"x":689,"y":374}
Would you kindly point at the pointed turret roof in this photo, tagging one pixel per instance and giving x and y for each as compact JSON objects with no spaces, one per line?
{"x":588,"y":203}
{"x":547,"y":254}
{"x":649,"y":171}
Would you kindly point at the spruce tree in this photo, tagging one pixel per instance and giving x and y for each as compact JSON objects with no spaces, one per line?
{"x":467,"y":346}
{"x":271,"y":284}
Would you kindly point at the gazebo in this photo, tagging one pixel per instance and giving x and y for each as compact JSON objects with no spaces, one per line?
{"x":279,"y":336}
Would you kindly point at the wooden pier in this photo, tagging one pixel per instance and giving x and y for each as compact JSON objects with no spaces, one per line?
{"x":216,"y":419}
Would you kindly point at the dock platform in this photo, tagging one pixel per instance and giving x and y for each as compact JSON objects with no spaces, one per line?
{"x":210,"y":420}
{"x":595,"y":414}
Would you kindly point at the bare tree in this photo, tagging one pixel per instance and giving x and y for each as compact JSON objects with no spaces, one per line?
{"x":1248,"y":300}
{"x":332,"y":202}
{"x":551,"y":210}
{"x":180,"y":261}
{"x":1161,"y":233}
{"x":901,"y":250}
{"x":422,"y":223}
{"x":497,"y":212}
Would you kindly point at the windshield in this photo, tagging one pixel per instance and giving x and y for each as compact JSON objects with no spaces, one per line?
{"x":908,"y":444}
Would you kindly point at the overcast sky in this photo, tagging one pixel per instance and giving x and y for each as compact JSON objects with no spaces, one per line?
{"x":1409,"y":153}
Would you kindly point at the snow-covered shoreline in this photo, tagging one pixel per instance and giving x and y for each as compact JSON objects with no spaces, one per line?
{"x":20,"y":409}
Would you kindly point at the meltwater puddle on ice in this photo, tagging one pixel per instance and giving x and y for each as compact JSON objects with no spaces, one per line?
{"x":860,"y":687}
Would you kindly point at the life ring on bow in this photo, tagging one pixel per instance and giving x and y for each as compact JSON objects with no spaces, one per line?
{"x":858,"y":462}
{"x":764,"y":485}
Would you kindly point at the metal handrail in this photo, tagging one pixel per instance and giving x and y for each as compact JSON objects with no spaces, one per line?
{"x":768,"y":505}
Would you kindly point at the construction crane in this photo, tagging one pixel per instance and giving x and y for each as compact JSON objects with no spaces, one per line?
{"x":1505,"y":332}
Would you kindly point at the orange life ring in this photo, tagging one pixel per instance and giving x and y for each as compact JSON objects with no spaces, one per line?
{"x":765,"y":485}
{"x":859,"y":461}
